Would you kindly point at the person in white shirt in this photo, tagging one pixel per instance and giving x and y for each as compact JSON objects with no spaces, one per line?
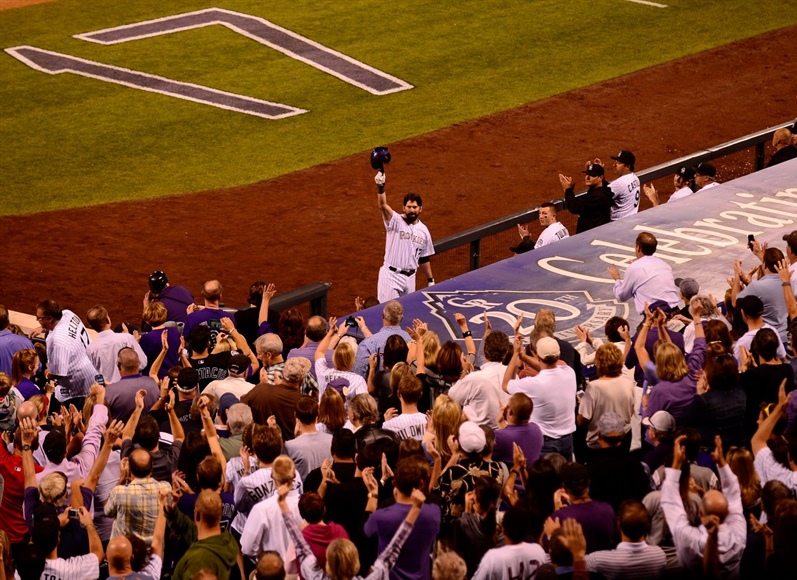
{"x":67,"y":361}
{"x":45,"y":535}
{"x":710,"y":312}
{"x":722,"y":536}
{"x":264,"y":529}
{"x":647,"y":278}
{"x":106,"y":345}
{"x":626,"y":187}
{"x":517,"y":560}
{"x":411,"y":424}
{"x":705,"y":176}
{"x":553,"y":230}
{"x":553,"y":392}
{"x":235,"y":382}
{"x":766,"y":466}
{"x":342,"y":359}
{"x":682,"y":181}
{"x":480,"y":393}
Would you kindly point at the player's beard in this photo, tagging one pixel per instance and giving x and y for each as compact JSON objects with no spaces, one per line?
{"x":410,"y":218}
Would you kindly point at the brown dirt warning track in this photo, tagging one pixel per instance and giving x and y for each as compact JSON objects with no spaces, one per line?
{"x":323,"y":223}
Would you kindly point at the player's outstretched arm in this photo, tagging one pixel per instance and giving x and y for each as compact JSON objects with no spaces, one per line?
{"x":387,"y":211}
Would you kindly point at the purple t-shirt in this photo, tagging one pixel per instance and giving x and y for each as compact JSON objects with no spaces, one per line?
{"x":210,"y":317}
{"x":675,"y":397}
{"x":151,"y":344}
{"x":176,"y":299}
{"x":28,"y":388}
{"x":415,"y":561}
{"x":528,"y":437}
{"x":187,"y":505}
{"x":597,"y":519}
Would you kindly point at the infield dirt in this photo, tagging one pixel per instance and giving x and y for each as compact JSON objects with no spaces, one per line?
{"x":323,"y":223}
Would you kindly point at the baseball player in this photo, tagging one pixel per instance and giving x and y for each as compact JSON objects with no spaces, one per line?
{"x":67,"y":360}
{"x":554,"y":229}
{"x":682,"y":180}
{"x":626,"y":187}
{"x":408,"y":246}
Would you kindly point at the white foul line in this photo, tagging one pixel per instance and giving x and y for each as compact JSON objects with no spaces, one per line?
{"x":656,"y":4}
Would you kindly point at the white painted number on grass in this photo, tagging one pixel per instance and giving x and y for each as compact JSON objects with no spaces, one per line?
{"x":285,"y":41}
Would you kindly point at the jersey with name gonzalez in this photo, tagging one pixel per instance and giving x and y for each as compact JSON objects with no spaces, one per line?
{"x":406,"y":243}
{"x":626,"y":196}
{"x":553,"y":233}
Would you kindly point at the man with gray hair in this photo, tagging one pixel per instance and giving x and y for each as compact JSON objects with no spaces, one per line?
{"x":279,"y":399}
{"x":392,"y":315}
{"x":238,"y":417}
{"x":269,"y":352}
{"x":121,"y":395}
{"x":709,"y":312}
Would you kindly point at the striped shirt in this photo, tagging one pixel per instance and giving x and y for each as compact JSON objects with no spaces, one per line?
{"x":67,"y":358}
{"x":254,"y":488}
{"x":406,"y":243}
{"x":76,"y":568}
{"x":327,"y":373}
{"x":409,"y":426}
{"x":628,"y":560}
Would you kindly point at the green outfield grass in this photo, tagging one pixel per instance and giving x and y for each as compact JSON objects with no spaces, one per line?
{"x":72,"y":141}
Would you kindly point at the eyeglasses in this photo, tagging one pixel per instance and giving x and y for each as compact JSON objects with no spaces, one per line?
{"x":40,"y":318}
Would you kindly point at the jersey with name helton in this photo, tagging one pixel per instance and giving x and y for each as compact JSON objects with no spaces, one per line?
{"x":67,"y":358}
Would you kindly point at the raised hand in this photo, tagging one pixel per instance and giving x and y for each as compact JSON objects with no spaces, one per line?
{"x":717,"y":455}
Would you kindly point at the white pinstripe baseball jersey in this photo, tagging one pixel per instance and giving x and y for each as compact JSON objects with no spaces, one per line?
{"x":76,"y":568}
{"x":67,"y":358}
{"x":327,"y":374}
{"x":409,"y":426}
{"x":253,"y":489}
{"x":626,"y":196}
{"x":406,"y":243}
{"x":553,"y":233}
{"x":235,"y":469}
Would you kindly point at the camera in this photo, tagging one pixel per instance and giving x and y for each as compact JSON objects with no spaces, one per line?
{"x":351,"y":322}
{"x":74,"y":514}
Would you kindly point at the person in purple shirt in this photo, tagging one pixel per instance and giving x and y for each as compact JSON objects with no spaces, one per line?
{"x":597,"y":518}
{"x":314,"y":331}
{"x":176,"y":299}
{"x":209,"y":315}
{"x":24,"y":366}
{"x":673,"y":378}
{"x":121,"y":395}
{"x":414,"y":562}
{"x":518,"y":430}
{"x":392,"y":315}
{"x":632,"y":360}
{"x":151,"y":343}
{"x":10,"y":343}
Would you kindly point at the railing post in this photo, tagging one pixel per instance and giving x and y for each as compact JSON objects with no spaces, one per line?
{"x":475,"y":254}
{"x":759,"y":156}
{"x":318,"y":306}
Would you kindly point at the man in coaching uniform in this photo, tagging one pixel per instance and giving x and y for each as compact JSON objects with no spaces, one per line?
{"x":408,"y":246}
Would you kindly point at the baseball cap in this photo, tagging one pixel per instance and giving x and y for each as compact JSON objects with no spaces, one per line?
{"x":686,"y":173}
{"x":661,"y":421}
{"x":660,"y":304}
{"x":705,"y":169}
{"x":688,"y":286}
{"x":524,"y":246}
{"x":187,"y":380}
{"x":471,"y":438}
{"x":547,"y":347}
{"x":158,"y":281}
{"x":611,"y":424}
{"x":46,"y":526}
{"x":751,"y":305}
{"x":594,"y":170}
{"x":339,"y":384}
{"x":791,"y":241}
{"x":625,"y":157}
{"x":226,"y":401}
{"x":238,"y":363}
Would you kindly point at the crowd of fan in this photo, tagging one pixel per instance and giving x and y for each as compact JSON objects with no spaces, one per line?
{"x":204,"y":443}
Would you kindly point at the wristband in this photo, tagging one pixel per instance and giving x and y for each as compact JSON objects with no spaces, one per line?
{"x":784,"y":284}
{"x":467,"y":334}
{"x":430,"y":280}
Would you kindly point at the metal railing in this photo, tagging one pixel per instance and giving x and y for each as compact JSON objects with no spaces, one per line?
{"x":475,"y":235}
{"x":315,"y":294}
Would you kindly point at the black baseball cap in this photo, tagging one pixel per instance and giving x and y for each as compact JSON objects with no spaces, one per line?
{"x":594,"y":170}
{"x":751,"y":305}
{"x":157,"y":281}
{"x":686,"y":173}
{"x":706,"y":170}
{"x":791,"y":241}
{"x":625,"y":157}
{"x":238,"y":363}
